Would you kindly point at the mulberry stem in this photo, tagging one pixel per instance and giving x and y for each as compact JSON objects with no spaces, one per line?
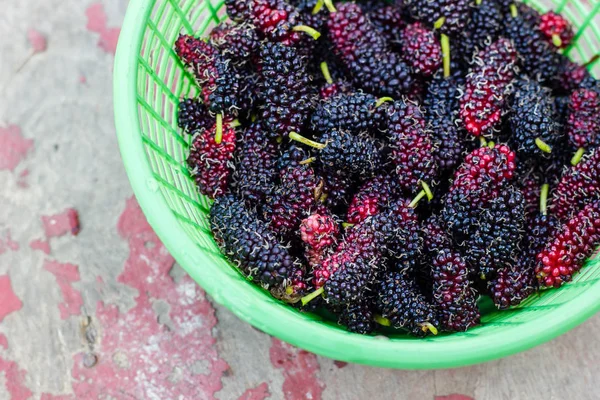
{"x":426,"y":326}
{"x":326,"y":73}
{"x":416,"y":200}
{"x":219,"y":129}
{"x":318,"y":7}
{"x":477,"y":2}
{"x":514,"y":11}
{"x":235,"y":123}
{"x":577,"y":157}
{"x":543,"y":146}
{"x":383,"y":100}
{"x":482,"y":141}
{"x":427,"y":190}
{"x":312,"y":32}
{"x":347,"y":225}
{"x":310,"y":297}
{"x":382,"y":321}
{"x":330,"y":6}
{"x":556,"y":40}
{"x":308,"y":142}
{"x":544,"y":199}
{"x":308,"y":161}
{"x":445,"y":40}
{"x":439,"y":23}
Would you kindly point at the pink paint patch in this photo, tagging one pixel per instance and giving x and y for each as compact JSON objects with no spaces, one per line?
{"x":48,"y":396}
{"x":454,"y":397}
{"x":39,"y":244}
{"x":65,"y":275}
{"x":15,"y":380}
{"x":9,"y":302}
{"x":340,"y":364}
{"x":8,"y":244}
{"x":61,"y":224}
{"x":3,"y":341}
{"x":38,"y":41}
{"x":138,"y":356}
{"x":22,"y":181}
{"x":82,"y":79}
{"x":97,"y":23}
{"x":299,"y":370}
{"x":13,"y":147}
{"x":261,"y":392}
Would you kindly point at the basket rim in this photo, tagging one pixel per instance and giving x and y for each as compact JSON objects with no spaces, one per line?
{"x":249,"y":304}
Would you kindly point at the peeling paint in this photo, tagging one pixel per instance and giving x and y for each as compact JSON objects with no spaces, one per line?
{"x":3,"y":341}
{"x":9,"y":302}
{"x":8,"y":244}
{"x":96,"y":22}
{"x":13,"y":147}
{"x":138,"y":356}
{"x":61,"y":224}
{"x":22,"y":180}
{"x":261,"y":392}
{"x":39,"y":244}
{"x":300,"y":370}
{"x":37,"y":40}
{"x":454,"y":397}
{"x":340,"y":364}
{"x":65,"y":275}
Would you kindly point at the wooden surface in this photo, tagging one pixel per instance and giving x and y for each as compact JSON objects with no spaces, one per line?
{"x":105,"y":314}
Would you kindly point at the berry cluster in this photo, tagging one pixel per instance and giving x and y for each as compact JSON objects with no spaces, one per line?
{"x":392,"y":162}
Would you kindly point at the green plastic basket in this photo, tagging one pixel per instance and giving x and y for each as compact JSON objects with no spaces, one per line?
{"x":149,"y":81}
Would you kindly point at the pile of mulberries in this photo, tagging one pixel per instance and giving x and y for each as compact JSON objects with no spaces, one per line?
{"x":388,"y":164}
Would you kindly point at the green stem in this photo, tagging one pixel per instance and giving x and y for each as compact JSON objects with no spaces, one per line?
{"x":330,"y":6}
{"x":445,"y":40}
{"x":439,"y":23}
{"x":556,"y":40}
{"x":514,"y":11}
{"x":382,"y":321}
{"x":308,"y":161}
{"x":308,"y":142}
{"x":235,"y":123}
{"x":544,"y":199}
{"x":383,"y":100}
{"x":543,"y":146}
{"x":426,"y":326}
{"x":482,"y":141}
{"x":347,"y":225}
{"x":477,"y":2}
{"x":318,"y":7}
{"x":326,"y":73}
{"x":577,"y":157}
{"x":491,"y":144}
{"x":310,"y":297}
{"x":308,"y":30}
{"x":416,"y":200}
{"x":219,"y":129}
{"x":427,"y":190}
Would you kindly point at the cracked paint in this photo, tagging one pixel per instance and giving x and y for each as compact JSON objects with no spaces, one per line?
{"x":41,"y":245}
{"x":138,"y":356}
{"x":65,"y":275}
{"x":96,"y":22}
{"x":13,"y":147}
{"x":261,"y":392}
{"x":9,"y":302}
{"x":300,"y":370}
{"x":8,"y":244}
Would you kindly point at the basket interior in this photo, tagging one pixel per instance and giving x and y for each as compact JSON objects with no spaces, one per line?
{"x":162,"y":81}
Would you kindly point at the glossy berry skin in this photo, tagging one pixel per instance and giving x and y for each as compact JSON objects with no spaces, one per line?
{"x":452,"y":292}
{"x":371,"y":198}
{"x":399,"y":300}
{"x":255,"y":173}
{"x":365,"y":53}
{"x":442,"y":108}
{"x":583,"y":123}
{"x":513,"y":284}
{"x":220,"y":82}
{"x":338,"y":190}
{"x":537,"y":57}
{"x":355,"y":156}
{"x":571,"y":76}
{"x":552,"y":24}
{"x":388,"y":20}
{"x":482,"y":176}
{"x":414,"y":159}
{"x":319,"y":234}
{"x":354,"y":113}
{"x":358,"y":317}
{"x":285,"y":89}
{"x":533,"y":116}
{"x":435,"y":237}
{"x":575,"y":241}
{"x":497,"y":233}
{"x":350,"y":281}
{"x":577,"y":187}
{"x":210,"y":163}
{"x":192,"y":116}
{"x":249,"y":244}
{"x":421,"y":49}
{"x":236,"y":42}
{"x":487,"y":86}
{"x":483,"y":28}
{"x":455,"y":12}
